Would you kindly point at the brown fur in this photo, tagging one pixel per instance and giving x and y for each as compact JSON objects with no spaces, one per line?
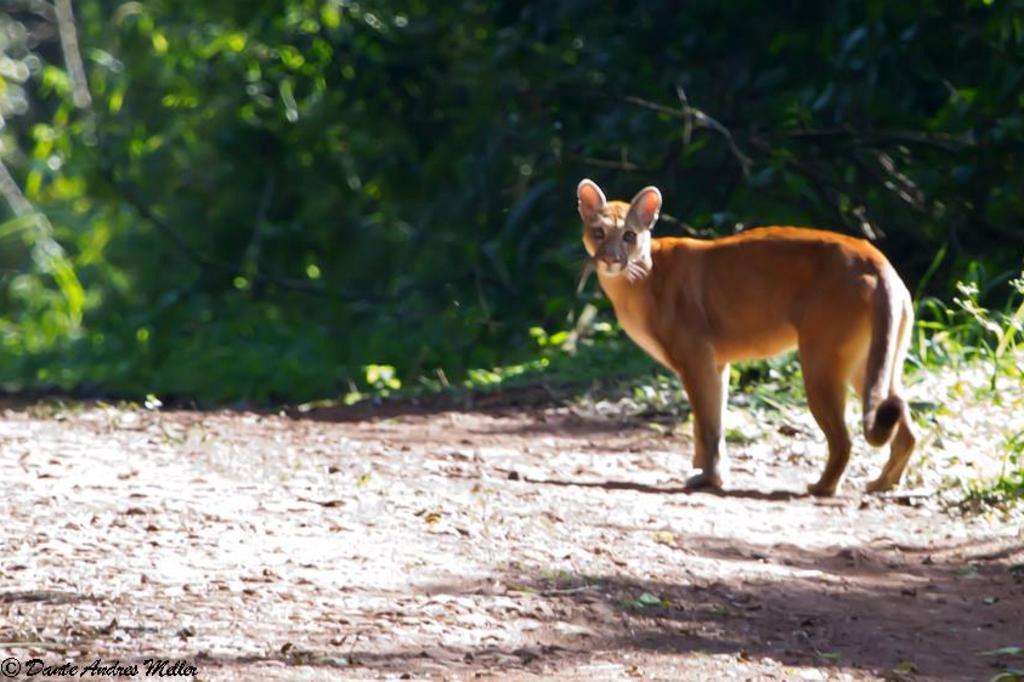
{"x":697,"y":305}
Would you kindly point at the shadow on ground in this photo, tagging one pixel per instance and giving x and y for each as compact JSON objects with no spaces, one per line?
{"x":884,"y":611}
{"x":862,"y":611}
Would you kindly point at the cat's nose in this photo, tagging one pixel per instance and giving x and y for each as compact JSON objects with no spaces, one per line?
{"x":608,"y":259}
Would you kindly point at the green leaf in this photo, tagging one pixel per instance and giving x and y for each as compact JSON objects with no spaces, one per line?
{"x":905,"y":667}
{"x":648,"y":599}
{"x":1004,"y":651}
{"x":1009,"y":675}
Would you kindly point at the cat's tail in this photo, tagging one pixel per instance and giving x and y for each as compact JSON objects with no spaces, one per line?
{"x":890,"y":335}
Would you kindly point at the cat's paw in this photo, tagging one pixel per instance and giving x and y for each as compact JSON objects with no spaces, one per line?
{"x":879,"y":485}
{"x":705,"y":480}
{"x":821,"y":489}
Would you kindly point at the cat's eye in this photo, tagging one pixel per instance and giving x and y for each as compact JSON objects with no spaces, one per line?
{"x":598,"y":233}
{"x":629,"y":237}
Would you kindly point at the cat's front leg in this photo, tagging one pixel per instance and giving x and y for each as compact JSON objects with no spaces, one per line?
{"x":707,"y":386}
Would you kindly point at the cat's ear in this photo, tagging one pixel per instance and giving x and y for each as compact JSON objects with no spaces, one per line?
{"x":644,"y":209}
{"x":591,"y":199}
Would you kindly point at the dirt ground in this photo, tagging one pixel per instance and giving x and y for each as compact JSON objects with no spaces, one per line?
{"x":500,"y":542}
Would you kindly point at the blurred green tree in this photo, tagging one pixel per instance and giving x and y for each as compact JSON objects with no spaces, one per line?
{"x":260,"y":198}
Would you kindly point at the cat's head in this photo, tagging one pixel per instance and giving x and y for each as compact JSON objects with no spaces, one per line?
{"x":617,"y":235}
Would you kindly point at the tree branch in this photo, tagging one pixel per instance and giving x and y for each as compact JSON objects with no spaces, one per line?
{"x":12,"y":194}
{"x":693,"y":118}
{"x":946,"y":143}
{"x":72,"y":56}
{"x":625,"y":166}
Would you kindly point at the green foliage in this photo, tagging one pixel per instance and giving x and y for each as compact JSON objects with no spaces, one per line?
{"x":1008,"y":486}
{"x":264,"y":199}
{"x":647,"y":600}
{"x":968,"y":331}
{"x":1008,"y":674}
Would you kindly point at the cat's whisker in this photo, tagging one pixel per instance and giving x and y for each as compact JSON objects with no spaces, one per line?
{"x":636,"y":270}
{"x":588,"y":269}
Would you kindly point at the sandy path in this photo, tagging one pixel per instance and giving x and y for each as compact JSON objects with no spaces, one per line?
{"x":503,"y":543}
